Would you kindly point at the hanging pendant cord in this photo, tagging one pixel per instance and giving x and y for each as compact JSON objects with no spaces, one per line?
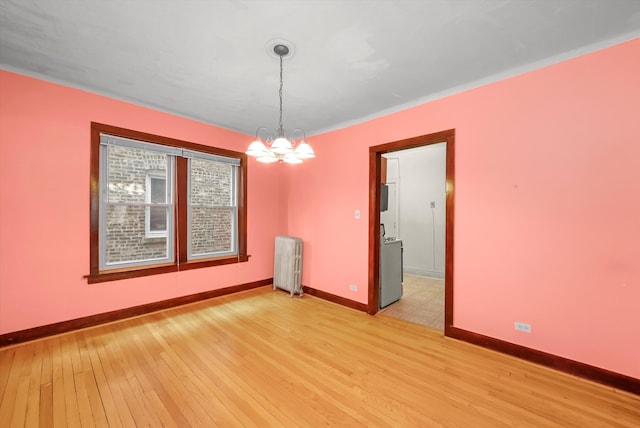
{"x":280,"y":129}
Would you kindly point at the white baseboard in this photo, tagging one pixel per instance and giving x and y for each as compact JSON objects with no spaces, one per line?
{"x":423,"y":272}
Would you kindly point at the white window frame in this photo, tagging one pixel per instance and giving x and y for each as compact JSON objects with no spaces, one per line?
{"x":233,"y":205}
{"x":105,"y":142}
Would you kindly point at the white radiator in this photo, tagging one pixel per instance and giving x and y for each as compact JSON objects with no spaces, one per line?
{"x":287,"y":266}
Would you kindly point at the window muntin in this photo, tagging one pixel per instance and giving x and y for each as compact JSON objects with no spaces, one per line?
{"x":143,"y":199}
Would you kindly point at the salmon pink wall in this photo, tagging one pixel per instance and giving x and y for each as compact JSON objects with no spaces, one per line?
{"x":44,"y":206}
{"x":547,"y":206}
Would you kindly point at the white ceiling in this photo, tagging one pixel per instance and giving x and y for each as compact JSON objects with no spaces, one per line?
{"x":354,"y":59}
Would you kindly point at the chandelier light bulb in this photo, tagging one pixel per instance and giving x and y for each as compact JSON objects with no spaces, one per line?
{"x":257,"y":148}
{"x":269,"y":157}
{"x":281,"y":146}
{"x":304,"y":150}
{"x":291,"y":158}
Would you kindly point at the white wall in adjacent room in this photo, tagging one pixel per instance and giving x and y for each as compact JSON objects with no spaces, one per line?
{"x":419,"y":176}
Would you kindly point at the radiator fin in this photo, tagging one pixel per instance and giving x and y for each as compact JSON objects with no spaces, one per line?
{"x":287,"y":266}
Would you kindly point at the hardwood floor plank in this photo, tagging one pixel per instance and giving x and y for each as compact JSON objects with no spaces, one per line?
{"x":85,"y":412}
{"x":45,"y":411}
{"x":100,"y":376}
{"x":14,"y":412}
{"x":69,"y":353}
{"x":45,"y":383}
{"x":99,"y":418}
{"x":114,"y":363}
{"x":261,"y":358}
{"x":20,"y":412}
{"x":147,"y":412}
{"x":90,"y":404}
{"x":6,"y":365}
{"x":32,"y":416}
{"x":57,"y":385}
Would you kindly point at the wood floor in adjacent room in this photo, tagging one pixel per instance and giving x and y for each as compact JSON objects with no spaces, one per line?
{"x":261,"y":358}
{"x":422,"y":302}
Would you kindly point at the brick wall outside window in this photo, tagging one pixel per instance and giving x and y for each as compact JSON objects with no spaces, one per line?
{"x":125,"y":225}
{"x":211,"y":209}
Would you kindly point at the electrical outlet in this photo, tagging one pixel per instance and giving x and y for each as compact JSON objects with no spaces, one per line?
{"x":353,"y":287}
{"x":522,"y":326}
{"x":433,"y":204}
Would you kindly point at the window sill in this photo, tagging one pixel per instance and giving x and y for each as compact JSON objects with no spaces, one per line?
{"x":118,"y":274}
{"x":226,"y":260}
{"x":148,"y":238}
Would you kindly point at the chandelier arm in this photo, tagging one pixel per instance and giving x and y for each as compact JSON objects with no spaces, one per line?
{"x":297,"y":131}
{"x":262,"y":128}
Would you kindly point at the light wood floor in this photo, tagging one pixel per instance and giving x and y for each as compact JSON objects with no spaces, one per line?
{"x":422,"y":302}
{"x":261,"y":358}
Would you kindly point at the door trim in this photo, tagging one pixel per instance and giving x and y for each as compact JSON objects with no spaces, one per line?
{"x":375,"y":155}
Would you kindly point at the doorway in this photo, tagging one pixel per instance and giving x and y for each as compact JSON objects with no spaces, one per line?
{"x":415,"y":216}
{"x":375,"y":172}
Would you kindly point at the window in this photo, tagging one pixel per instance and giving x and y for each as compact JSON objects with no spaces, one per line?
{"x":156,"y":216}
{"x":161,"y":205}
{"x":212,"y":208}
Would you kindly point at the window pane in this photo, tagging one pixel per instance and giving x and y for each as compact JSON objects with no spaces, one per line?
{"x":157,"y":219}
{"x":125,"y":239}
{"x":211,"y":183}
{"x":127,"y":173}
{"x":212,"y":217}
{"x":135,"y":230}
{"x":211,"y":230}
{"x":158,"y":193}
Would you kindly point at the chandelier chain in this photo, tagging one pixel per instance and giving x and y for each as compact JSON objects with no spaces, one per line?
{"x":280,"y":129}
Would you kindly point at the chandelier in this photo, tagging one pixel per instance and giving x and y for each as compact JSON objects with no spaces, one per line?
{"x":269,"y":147}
